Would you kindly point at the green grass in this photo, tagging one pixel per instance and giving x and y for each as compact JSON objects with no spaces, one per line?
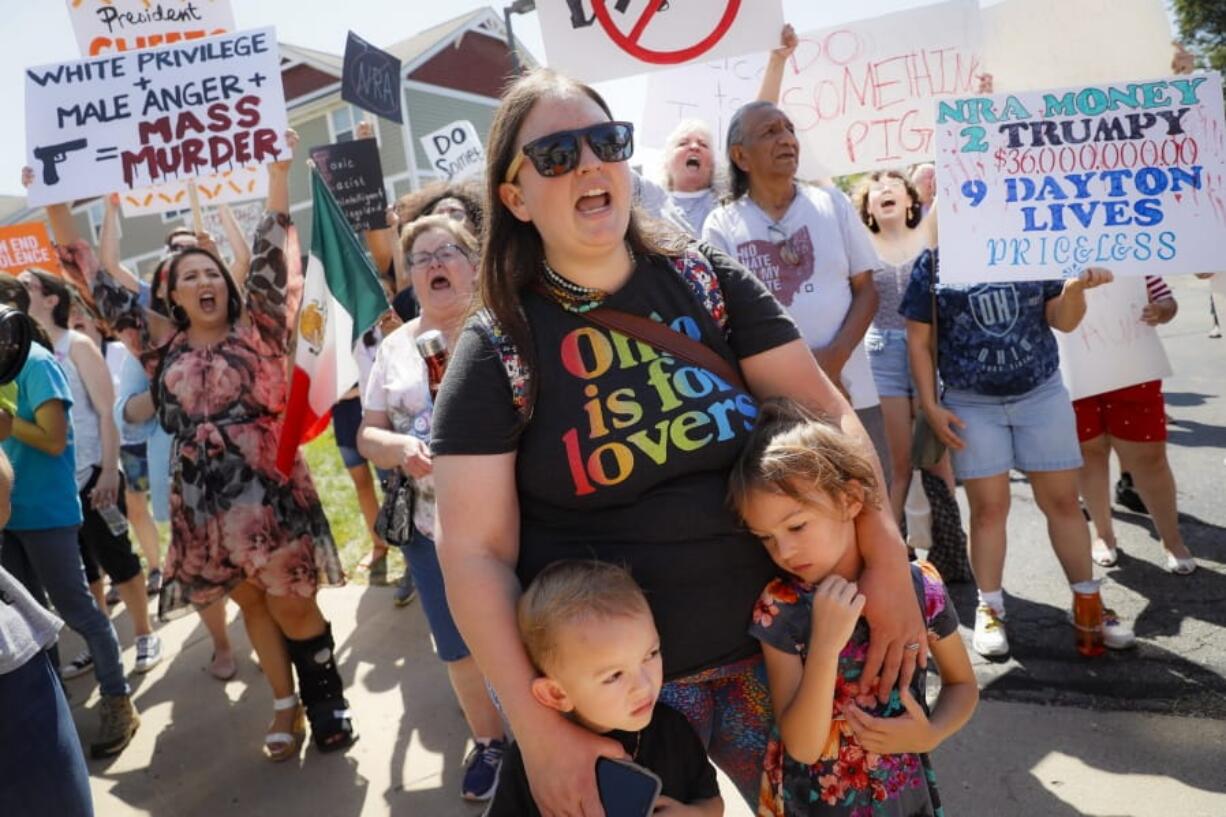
{"x":341,"y":506}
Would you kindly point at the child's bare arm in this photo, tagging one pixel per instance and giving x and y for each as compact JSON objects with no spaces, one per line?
{"x":802,"y":694}
{"x":915,"y":731}
{"x":803,"y":717}
{"x":959,"y":689}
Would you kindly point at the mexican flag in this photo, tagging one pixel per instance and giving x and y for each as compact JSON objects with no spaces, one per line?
{"x":341,"y":299}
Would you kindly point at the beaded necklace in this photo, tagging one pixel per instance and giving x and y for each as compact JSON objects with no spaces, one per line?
{"x":567,"y":294}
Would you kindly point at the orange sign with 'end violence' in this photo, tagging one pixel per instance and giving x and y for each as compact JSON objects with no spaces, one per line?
{"x":23,"y":246}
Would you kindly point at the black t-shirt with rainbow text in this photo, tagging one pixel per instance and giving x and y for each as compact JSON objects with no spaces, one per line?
{"x":627,"y":454}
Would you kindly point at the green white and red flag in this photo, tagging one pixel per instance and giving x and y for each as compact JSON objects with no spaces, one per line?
{"x":341,"y":299}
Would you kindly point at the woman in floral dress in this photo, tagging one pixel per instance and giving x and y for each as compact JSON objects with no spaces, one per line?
{"x":238,"y":526}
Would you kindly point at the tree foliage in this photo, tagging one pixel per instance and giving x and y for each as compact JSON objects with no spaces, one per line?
{"x":1202,"y":27}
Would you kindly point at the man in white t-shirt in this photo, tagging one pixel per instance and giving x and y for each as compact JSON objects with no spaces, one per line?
{"x":808,"y":246}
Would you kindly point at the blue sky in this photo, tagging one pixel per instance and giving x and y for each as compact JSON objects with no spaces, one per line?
{"x":39,"y":32}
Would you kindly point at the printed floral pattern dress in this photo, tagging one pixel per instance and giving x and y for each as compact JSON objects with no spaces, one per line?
{"x":233,"y":515}
{"x":847,"y":780}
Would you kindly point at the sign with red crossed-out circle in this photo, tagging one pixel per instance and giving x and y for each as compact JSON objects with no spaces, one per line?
{"x":596,"y":40}
{"x":632,"y":43}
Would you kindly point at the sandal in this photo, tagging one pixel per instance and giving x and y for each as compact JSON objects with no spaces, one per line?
{"x":374,"y":564}
{"x":1103,"y":554}
{"x":222,"y":671}
{"x":281,"y":746}
{"x":1180,"y":566}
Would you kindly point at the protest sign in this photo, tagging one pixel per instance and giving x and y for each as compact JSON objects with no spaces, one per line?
{"x":860,"y":94}
{"x":247,"y":215}
{"x":143,"y":118}
{"x":353,"y":173}
{"x":239,"y":184}
{"x":710,"y":91}
{"x":455,"y":150}
{"x":1029,"y":44}
{"x":371,"y":79}
{"x":1042,"y":184}
{"x":595,"y":40}
{"x":105,"y":26}
{"x":1111,"y":348}
{"x":27,"y":245}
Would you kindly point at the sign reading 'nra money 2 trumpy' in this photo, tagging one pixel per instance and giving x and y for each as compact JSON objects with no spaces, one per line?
{"x":1126,"y":175}
{"x":106,"y":26}
{"x":142,"y":118}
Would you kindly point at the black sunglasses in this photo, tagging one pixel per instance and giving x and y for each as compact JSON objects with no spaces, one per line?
{"x":558,"y":153}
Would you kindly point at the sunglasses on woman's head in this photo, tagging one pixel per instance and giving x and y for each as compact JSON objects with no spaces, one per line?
{"x":558,"y":153}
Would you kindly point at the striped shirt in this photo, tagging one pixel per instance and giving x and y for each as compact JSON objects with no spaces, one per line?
{"x":1157,"y":289}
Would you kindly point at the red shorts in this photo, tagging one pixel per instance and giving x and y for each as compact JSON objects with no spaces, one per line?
{"x":1136,"y":413}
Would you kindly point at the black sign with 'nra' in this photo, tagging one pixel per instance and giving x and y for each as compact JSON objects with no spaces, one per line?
{"x":352,"y":171}
{"x":371,"y":79}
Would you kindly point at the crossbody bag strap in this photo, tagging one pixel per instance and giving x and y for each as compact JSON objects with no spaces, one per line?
{"x":667,"y":340}
{"x":932,"y":341}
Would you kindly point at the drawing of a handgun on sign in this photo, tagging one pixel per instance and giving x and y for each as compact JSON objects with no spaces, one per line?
{"x":579,"y":19}
{"x":52,"y":155}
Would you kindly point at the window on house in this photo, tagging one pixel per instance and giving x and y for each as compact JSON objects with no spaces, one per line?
{"x":344,"y":122}
{"x":96,"y":210}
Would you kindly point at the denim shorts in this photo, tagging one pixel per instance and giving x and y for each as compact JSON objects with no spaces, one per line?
{"x":422,"y":558}
{"x":887,"y":355}
{"x":1035,"y":431}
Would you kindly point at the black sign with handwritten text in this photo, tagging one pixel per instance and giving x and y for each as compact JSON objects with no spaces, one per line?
{"x":352,"y":171}
{"x":371,"y":79}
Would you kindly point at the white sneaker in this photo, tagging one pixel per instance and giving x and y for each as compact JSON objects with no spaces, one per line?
{"x":148,"y":652}
{"x":83,"y":663}
{"x":1116,"y":634}
{"x":990,"y":640}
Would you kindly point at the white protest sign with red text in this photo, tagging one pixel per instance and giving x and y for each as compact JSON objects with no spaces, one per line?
{"x":595,"y":40}
{"x":145,"y":118}
{"x":860,"y":94}
{"x":1111,"y":348}
{"x":109,"y":26}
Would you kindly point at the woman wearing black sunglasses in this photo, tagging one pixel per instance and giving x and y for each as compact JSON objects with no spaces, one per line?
{"x":556,"y":438}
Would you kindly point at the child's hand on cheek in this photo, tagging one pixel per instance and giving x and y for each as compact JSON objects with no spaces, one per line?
{"x":837,"y":604}
{"x":911,"y":732}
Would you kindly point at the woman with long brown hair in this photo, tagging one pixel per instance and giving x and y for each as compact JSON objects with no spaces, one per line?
{"x":238,"y":526}
{"x":556,"y":438}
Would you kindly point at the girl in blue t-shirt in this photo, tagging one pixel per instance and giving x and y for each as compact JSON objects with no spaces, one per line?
{"x":799,"y":485}
{"x":1004,"y":406}
{"x":40,"y":541}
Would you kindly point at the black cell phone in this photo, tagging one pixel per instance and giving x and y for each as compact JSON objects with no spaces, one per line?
{"x":626,"y":789}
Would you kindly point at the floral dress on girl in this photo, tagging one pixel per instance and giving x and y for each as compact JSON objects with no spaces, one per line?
{"x":233,"y":515}
{"x":848,"y":780}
